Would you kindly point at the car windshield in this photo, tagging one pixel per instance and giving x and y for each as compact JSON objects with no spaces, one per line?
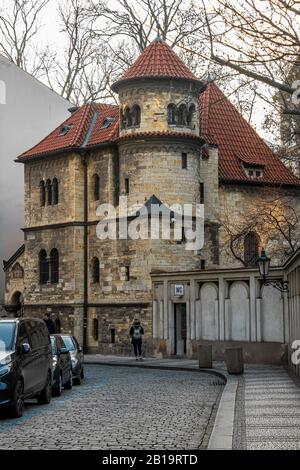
{"x":53,"y":345}
{"x":7,"y":336}
{"x":69,"y":343}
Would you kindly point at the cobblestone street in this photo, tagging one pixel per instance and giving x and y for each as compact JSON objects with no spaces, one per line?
{"x":121,"y":408}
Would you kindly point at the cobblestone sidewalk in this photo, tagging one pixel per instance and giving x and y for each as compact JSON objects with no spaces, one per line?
{"x":272,"y":409}
{"x":267,"y":403}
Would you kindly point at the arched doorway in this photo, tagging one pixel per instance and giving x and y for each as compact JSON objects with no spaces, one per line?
{"x":15,"y":306}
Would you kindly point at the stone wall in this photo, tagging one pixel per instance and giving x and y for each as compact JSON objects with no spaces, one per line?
{"x":119,"y":318}
{"x":14,"y":284}
{"x":69,"y":243}
{"x":236,"y":201}
{"x":153,"y":97}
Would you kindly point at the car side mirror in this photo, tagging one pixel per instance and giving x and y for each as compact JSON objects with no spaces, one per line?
{"x":63,"y":351}
{"x":25,"y":348}
{"x":80,"y":349}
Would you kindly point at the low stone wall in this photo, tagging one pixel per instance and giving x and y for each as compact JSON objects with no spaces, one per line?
{"x":253,"y":352}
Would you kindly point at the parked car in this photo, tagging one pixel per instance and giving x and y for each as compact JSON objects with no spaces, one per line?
{"x":25,"y":363}
{"x":77,"y":357}
{"x":62,"y":366}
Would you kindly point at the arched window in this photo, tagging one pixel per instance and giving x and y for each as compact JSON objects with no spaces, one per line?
{"x":17,"y":271}
{"x":57,"y":326}
{"x":95,"y":329}
{"x":96,"y":187}
{"x":136,"y":115}
{"x":251,"y":246}
{"x":182,"y":115}
{"x":128,"y":118}
{"x":54,"y":266}
{"x":191,"y":116}
{"x":44,"y":267}
{"x":54,"y":191}
{"x":171,"y":114}
{"x":42,"y":193}
{"x":96,"y":270}
{"x":49,"y":192}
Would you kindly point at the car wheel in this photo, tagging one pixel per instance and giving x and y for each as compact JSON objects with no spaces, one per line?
{"x":57,"y":388}
{"x":17,"y":407}
{"x":68,"y":385}
{"x":82,"y":373}
{"x":45,"y":396}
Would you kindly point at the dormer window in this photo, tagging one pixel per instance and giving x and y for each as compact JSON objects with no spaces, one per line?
{"x":107,"y":122}
{"x":65,"y":129}
{"x":253,"y":171}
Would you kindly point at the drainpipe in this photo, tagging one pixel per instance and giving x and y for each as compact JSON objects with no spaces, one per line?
{"x":85,"y":251}
{"x":85,"y":155}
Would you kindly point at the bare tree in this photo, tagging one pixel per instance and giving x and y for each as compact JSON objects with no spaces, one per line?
{"x":273,"y":218}
{"x":84,"y":71}
{"x":139,"y":22}
{"x":255,"y":38}
{"x":19,"y":26}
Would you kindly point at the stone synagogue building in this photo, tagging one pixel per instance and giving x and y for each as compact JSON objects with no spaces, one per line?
{"x":173,"y":139}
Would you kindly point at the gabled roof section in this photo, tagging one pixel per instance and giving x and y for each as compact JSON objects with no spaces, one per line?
{"x":222,"y":124}
{"x":13,"y":258}
{"x":158,"y":60}
{"x":84,"y":131}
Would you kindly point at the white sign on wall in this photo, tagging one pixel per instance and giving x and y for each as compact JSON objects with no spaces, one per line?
{"x":179,"y":290}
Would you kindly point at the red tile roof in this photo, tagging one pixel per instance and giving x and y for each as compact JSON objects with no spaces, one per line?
{"x":220,"y":124}
{"x":158,"y":60}
{"x":223,"y":125}
{"x":174,"y":134}
{"x":85,"y":131}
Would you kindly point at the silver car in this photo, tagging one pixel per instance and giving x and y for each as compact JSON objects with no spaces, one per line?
{"x":77,"y":357}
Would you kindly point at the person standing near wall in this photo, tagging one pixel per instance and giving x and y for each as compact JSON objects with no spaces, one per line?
{"x":136,"y":333}
{"x":49,"y":323}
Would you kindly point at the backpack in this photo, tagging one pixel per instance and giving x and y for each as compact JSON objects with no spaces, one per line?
{"x":137,"y":332}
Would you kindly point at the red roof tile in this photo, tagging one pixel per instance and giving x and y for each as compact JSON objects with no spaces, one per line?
{"x":222,"y":124}
{"x":174,"y":134}
{"x":82,"y":126}
{"x":158,"y":60}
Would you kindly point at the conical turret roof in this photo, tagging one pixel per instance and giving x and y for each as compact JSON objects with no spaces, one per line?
{"x":158,"y":60}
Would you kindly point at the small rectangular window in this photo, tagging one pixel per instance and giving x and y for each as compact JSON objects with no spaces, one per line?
{"x":126,"y":185}
{"x":201,"y":193}
{"x":250,"y":172}
{"x":112,"y":335}
{"x":258,"y":173}
{"x":184,"y":161}
{"x":127,"y":273}
{"x":203,"y":264}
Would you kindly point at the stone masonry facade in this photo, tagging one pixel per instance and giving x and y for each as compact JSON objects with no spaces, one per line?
{"x":152,"y":165}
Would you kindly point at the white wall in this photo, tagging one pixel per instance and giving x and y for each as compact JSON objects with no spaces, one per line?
{"x":28,"y":112}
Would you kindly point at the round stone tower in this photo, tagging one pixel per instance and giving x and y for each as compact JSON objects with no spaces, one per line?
{"x":159,"y":140}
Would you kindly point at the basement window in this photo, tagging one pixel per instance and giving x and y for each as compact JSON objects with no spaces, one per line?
{"x":65,"y":129}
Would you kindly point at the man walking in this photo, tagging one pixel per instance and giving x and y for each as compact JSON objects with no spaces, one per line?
{"x":49,"y":323}
{"x":136,"y":332}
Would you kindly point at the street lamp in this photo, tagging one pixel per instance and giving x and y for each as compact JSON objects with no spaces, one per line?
{"x":263,"y":266}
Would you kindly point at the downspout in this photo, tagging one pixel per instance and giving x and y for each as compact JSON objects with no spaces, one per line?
{"x":85,"y":155}
{"x":85,"y":252}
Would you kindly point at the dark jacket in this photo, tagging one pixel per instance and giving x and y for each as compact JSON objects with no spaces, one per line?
{"x":50,"y":326}
{"x":133,"y":340}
